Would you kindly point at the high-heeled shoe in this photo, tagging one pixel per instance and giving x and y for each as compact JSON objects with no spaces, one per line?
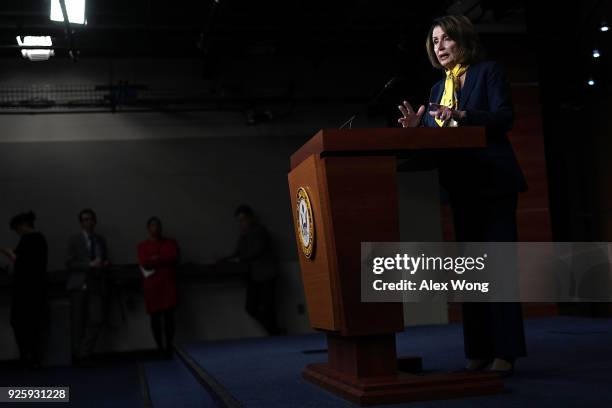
{"x":502,"y":367}
{"x":477,"y":365}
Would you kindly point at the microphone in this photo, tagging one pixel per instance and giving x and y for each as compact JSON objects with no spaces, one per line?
{"x":383,"y":91}
{"x":373,"y":101}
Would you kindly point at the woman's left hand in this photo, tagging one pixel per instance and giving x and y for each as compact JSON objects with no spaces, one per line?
{"x":445,"y":113}
{"x":8,"y":253}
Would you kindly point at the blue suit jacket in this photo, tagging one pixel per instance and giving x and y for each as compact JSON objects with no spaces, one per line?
{"x":485,"y":97}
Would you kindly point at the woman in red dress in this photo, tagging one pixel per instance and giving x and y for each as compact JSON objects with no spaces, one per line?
{"x":158,"y":257}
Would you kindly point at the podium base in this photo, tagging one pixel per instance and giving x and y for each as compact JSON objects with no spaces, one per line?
{"x":402,"y":387}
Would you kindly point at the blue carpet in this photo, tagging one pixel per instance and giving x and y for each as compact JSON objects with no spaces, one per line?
{"x":172,"y":385}
{"x":106,"y":386}
{"x":569,"y":364}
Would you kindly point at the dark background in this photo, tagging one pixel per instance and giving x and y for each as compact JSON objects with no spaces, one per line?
{"x":186,"y":109}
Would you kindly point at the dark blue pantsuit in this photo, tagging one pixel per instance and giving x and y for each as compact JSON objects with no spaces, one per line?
{"x":483,"y":185}
{"x":489,"y":329}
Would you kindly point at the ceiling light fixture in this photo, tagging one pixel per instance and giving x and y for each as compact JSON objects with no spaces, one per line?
{"x":36,"y":54}
{"x":75,"y":9}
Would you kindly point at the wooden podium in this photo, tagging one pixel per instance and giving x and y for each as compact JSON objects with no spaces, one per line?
{"x":343,"y":192}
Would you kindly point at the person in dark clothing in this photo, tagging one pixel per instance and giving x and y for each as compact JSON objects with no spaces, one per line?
{"x":483,"y":184}
{"x":254,"y":248}
{"x":29,"y":295}
{"x":88,"y":264}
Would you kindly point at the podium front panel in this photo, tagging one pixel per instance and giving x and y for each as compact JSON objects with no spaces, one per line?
{"x":351,"y":200}
{"x":317,"y":267}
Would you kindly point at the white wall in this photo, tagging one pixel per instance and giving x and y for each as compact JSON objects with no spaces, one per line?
{"x":129,"y":167}
{"x":193,"y":185}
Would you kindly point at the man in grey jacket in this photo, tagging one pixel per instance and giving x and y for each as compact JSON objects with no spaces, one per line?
{"x":87,"y":261}
{"x":255,"y":249}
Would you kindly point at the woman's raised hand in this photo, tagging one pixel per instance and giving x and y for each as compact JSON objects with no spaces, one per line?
{"x":444,"y":113}
{"x":410,"y":118}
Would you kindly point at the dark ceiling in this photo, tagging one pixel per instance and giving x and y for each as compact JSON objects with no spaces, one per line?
{"x":138,"y":28}
{"x":530,"y":38}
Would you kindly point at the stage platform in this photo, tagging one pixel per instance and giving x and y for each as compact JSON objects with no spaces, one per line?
{"x":569,"y":365}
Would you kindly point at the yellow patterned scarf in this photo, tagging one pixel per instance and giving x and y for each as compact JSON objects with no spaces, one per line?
{"x":449,"y":97}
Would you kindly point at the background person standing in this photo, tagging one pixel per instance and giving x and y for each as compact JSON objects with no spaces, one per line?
{"x":158,"y":257}
{"x":29,"y":291}
{"x":88,"y":263}
{"x":254,"y":248}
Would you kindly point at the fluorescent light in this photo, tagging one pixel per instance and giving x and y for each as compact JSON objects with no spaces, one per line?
{"x":596,"y":53}
{"x":36,"y":54}
{"x":35,"y":41}
{"x":604,"y":27}
{"x":74,"y":8}
{"x":591,"y":82}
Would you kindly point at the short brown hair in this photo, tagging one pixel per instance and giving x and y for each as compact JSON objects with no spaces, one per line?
{"x":462,"y":31}
{"x":88,"y":211}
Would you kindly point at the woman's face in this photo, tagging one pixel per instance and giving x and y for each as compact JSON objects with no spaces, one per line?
{"x":21,"y":229}
{"x":446,"y":49}
{"x":155,"y":229}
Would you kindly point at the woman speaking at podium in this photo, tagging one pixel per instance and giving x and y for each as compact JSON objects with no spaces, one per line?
{"x":483,"y":184}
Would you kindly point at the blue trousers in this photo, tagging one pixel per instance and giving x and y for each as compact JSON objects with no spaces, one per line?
{"x":490,"y":329}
